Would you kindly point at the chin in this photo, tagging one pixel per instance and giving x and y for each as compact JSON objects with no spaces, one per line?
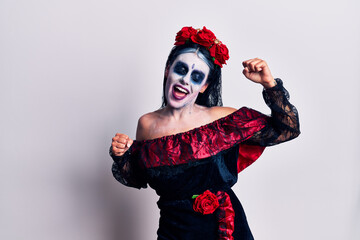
{"x":175,"y":105}
{"x":180,"y":103}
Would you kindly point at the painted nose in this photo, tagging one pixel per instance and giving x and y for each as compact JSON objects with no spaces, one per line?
{"x":185,"y":80}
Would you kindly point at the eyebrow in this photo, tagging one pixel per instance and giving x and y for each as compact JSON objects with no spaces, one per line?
{"x":198,"y":72}
{"x":181,"y":62}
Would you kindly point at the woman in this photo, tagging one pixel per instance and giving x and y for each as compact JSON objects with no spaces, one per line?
{"x":191,"y":150}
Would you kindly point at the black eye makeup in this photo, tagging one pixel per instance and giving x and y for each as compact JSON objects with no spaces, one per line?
{"x":181,"y":68}
{"x":197,"y":77}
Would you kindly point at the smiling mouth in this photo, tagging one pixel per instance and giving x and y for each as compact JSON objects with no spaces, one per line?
{"x":179,"y":92}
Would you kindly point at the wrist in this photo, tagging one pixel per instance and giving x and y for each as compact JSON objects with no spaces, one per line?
{"x":269,"y":84}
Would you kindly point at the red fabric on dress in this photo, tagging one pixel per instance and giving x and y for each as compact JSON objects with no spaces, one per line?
{"x":247,"y":155}
{"x":226,"y":216}
{"x":205,"y":141}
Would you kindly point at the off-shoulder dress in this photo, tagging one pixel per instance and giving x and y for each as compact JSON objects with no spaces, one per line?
{"x":207,"y":159}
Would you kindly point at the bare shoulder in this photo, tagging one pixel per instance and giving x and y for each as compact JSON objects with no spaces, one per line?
{"x":220,"y":112}
{"x":145,"y":123}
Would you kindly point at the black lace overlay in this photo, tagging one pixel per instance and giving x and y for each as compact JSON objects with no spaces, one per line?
{"x":284,"y":122}
{"x":127,"y":172}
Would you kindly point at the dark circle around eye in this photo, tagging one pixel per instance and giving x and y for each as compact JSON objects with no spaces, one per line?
{"x":197,"y":77}
{"x":180,"y":68}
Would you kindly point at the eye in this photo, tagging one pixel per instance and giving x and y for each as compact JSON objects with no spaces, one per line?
{"x":197,"y":77}
{"x":180,"y":68}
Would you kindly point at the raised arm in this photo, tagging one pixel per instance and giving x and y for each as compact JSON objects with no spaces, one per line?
{"x":283,"y":125}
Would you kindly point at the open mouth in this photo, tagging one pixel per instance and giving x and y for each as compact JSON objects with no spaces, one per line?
{"x":179,"y":92}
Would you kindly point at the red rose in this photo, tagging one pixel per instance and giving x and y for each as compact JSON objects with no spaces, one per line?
{"x":184,"y":34}
{"x":206,"y":203}
{"x":204,"y":37}
{"x":220,"y":52}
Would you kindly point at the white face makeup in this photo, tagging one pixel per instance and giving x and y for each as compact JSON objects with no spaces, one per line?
{"x":187,"y":77}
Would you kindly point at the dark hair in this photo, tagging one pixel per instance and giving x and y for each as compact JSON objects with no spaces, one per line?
{"x":212,"y":95}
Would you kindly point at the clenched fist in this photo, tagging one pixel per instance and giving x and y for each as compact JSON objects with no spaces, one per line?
{"x":258,"y":71}
{"x":120,"y":144}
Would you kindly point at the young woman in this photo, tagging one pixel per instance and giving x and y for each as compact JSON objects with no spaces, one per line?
{"x":191,"y":149}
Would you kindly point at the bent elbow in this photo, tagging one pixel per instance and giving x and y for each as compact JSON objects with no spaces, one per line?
{"x":294,"y":134}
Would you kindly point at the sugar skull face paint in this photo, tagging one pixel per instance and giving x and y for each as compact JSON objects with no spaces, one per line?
{"x":186,"y":79}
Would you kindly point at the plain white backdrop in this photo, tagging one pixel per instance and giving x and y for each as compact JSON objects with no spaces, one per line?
{"x":73,"y":73}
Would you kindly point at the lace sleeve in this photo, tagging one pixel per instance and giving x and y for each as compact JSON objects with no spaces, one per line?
{"x":283,"y":125}
{"x":126,"y":171}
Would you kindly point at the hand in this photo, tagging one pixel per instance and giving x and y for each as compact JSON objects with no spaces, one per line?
{"x":258,"y":71}
{"x":120,"y":144}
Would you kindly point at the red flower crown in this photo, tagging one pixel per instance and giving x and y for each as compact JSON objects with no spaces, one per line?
{"x":204,"y":37}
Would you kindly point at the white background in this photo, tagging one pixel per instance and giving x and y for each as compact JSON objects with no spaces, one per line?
{"x":73,"y":73}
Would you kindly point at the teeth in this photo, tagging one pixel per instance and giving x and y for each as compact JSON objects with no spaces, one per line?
{"x":181,"y":90}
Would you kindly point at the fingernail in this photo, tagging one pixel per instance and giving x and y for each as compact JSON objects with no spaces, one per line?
{"x":128,"y":144}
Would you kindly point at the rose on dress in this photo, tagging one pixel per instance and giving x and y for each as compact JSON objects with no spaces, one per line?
{"x":206,"y":203}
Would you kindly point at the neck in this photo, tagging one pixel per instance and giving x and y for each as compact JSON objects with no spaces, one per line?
{"x":181,"y":113}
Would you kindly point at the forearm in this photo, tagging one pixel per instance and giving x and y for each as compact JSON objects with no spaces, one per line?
{"x":126,"y":171}
{"x":284,"y":115}
{"x":283,"y":125}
